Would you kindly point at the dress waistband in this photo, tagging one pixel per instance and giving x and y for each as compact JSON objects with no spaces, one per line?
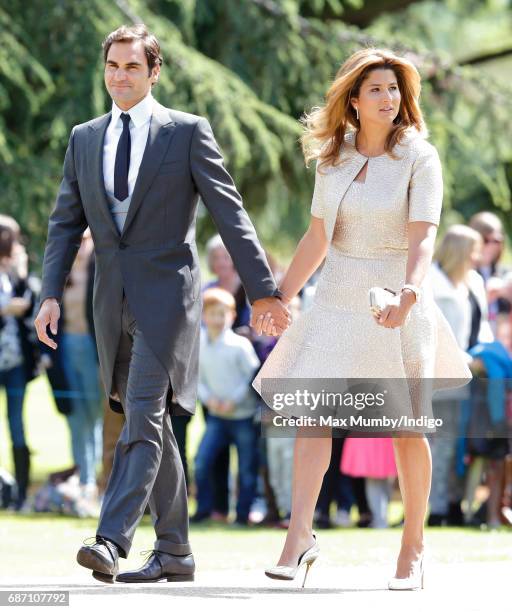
{"x":345,"y":281}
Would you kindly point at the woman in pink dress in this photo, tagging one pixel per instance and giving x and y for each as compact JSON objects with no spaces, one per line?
{"x":372,"y":459}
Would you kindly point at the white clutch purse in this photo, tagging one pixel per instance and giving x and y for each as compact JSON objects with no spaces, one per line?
{"x":380,"y":298}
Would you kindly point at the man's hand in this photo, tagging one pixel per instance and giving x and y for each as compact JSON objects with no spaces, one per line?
{"x":17,"y":307}
{"x":49,"y":313}
{"x":270,"y":316}
{"x":219,"y":407}
{"x":214,"y":406}
{"x":212,"y":403}
{"x":226,"y":407}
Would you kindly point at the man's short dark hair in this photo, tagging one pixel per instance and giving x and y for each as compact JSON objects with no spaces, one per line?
{"x":136,"y":32}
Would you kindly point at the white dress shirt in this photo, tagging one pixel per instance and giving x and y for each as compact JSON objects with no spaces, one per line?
{"x":140,"y":119}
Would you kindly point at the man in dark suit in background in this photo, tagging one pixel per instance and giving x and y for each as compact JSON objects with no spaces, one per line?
{"x":134,"y":176}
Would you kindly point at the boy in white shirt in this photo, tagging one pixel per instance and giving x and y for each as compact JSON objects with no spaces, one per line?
{"x":227,"y":365}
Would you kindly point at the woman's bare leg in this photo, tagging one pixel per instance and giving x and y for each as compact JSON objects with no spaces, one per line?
{"x":414,"y":465}
{"x":312,"y":455}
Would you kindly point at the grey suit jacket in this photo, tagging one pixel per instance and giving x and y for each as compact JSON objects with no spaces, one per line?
{"x":154,"y":260}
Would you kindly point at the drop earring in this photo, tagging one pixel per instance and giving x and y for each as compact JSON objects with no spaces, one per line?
{"x":357,"y":113}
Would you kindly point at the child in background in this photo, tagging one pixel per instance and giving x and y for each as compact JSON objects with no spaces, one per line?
{"x":227,"y":365}
{"x":373,"y":459}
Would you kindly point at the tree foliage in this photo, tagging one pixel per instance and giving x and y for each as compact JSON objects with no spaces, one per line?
{"x":252,"y":67}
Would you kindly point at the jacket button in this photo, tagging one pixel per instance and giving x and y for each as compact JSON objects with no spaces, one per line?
{"x":123,"y":245}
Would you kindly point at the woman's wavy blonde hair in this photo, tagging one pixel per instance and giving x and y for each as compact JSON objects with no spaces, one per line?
{"x":453,"y":253}
{"x":325,"y":126}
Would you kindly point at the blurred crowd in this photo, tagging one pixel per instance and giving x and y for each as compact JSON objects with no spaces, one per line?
{"x":242,"y":471}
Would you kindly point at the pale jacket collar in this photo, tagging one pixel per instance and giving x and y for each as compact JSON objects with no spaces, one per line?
{"x":410,"y":134}
{"x":139,"y":114}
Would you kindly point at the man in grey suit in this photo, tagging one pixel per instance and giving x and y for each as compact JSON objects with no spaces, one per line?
{"x":134,"y":176}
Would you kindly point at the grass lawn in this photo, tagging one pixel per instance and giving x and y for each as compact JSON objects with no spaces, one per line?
{"x":46,"y":545}
{"x":47,"y":432}
{"x":42,"y":545}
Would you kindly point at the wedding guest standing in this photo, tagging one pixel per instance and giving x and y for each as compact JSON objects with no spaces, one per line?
{"x":460,"y":294}
{"x":374,"y":217}
{"x":19,"y":353}
{"x":139,"y":198}
{"x":227,"y":363}
{"x":372,"y":459}
{"x":498,"y":282}
{"x":81,"y":366}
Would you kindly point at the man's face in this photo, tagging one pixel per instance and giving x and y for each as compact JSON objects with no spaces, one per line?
{"x":127,"y":77}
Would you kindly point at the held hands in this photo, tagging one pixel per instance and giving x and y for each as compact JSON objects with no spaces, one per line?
{"x":395,"y":314}
{"x":219,"y":407}
{"x":49,"y":313}
{"x":270,"y":316}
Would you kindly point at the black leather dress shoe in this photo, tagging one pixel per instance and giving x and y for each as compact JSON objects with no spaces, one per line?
{"x":162,"y":566}
{"x":102,"y":558}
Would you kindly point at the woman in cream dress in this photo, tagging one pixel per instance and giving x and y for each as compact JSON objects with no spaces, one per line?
{"x":375,"y":212}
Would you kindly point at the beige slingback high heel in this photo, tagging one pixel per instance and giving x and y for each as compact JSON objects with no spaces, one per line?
{"x":286,"y":572}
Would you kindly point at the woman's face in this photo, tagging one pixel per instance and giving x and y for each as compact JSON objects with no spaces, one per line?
{"x":379,"y":98}
{"x":20,"y":259}
{"x":492,"y":247}
{"x":221,"y":263}
{"x":475,"y":257}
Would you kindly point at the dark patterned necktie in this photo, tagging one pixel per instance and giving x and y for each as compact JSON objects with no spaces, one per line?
{"x":122,"y":165}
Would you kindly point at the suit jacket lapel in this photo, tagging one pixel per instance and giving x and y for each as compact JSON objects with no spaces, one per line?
{"x":98,"y":128}
{"x":160,"y":135}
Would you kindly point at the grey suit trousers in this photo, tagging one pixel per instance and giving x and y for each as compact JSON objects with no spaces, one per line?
{"x":147,"y":467}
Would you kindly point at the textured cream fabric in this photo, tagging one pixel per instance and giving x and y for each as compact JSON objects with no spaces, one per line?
{"x":410,"y":187}
{"x":338,"y":337}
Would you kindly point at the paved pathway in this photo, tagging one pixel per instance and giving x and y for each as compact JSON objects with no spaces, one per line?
{"x":471,"y":587}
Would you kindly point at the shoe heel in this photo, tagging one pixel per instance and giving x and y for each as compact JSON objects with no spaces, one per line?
{"x":308,"y":565}
{"x":181,"y":578}
{"x":103,"y":577}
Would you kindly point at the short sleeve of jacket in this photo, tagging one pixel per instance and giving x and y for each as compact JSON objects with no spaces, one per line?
{"x":318,"y":201}
{"x":426,"y":187}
